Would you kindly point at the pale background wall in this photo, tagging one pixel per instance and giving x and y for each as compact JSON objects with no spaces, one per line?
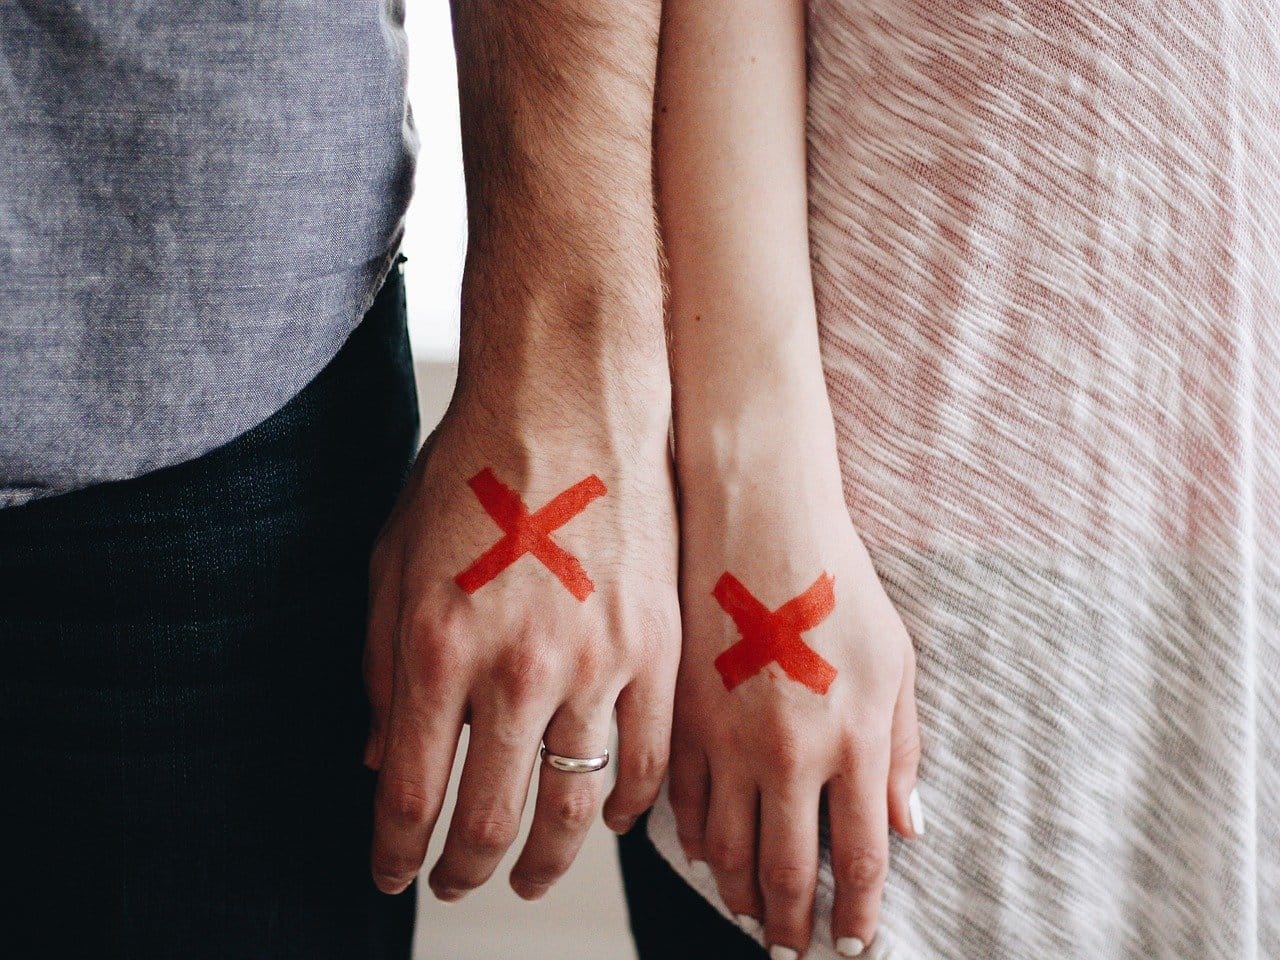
{"x":583,"y":916}
{"x":436,"y":236}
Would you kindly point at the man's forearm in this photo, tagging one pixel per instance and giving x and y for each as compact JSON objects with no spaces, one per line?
{"x":561,"y":414}
{"x":563,"y":275}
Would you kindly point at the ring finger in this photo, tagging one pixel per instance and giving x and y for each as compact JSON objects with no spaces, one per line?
{"x":567,"y":801}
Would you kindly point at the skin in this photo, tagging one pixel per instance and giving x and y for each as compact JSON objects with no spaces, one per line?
{"x":563,"y":373}
{"x":761,"y":495}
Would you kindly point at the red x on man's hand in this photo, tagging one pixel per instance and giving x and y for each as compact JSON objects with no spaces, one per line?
{"x":530,"y":532}
{"x":767,"y":636}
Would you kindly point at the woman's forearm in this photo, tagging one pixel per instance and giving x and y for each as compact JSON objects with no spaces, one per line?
{"x":732,"y":200}
{"x":796,"y":672}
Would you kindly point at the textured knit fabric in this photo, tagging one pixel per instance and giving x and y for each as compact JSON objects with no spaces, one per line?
{"x":182,"y":714}
{"x":198,"y":202}
{"x":1046,"y":242}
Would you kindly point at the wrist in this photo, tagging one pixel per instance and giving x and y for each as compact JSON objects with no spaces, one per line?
{"x":539,"y":415}
{"x":557,"y":343}
{"x":762,"y":497}
{"x":776,"y":427}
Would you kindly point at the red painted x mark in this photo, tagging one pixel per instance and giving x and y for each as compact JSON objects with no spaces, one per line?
{"x":769,"y":636}
{"x":530,"y":532}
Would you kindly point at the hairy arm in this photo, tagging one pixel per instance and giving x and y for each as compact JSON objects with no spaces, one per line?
{"x":557,"y":103}
{"x":525,"y":582}
{"x":775,"y":707}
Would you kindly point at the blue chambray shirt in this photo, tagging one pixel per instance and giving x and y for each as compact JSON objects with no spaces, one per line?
{"x":198,"y":201}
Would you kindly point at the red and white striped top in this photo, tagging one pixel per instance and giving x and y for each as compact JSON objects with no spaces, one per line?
{"x":1046,"y":249}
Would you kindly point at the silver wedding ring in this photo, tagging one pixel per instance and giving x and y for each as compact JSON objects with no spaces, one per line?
{"x":575,"y":764}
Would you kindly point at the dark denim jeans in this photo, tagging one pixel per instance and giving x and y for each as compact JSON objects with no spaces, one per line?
{"x":181,"y":705}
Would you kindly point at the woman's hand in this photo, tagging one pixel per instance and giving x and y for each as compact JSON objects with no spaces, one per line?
{"x":763,"y":518}
{"x":797,"y":678}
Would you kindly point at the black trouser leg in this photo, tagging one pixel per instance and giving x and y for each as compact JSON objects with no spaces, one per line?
{"x":181,"y":705}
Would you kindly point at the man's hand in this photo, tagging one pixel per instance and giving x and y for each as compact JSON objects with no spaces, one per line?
{"x":520,"y":657}
{"x":525,"y":582}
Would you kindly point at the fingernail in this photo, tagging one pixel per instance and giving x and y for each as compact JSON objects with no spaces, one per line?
{"x":779,"y":952}
{"x":369,"y":746}
{"x":450,"y":895}
{"x":849,"y":947}
{"x":621,"y":824}
{"x":749,"y":924}
{"x":916,"y":810}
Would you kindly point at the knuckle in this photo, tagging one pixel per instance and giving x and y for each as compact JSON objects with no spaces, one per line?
{"x":786,"y":768}
{"x":642,"y":768}
{"x":407,"y":800}
{"x":422,"y":652}
{"x":727,"y":855}
{"x":525,"y":671}
{"x":418,"y":626}
{"x":866,"y":739}
{"x":575,"y":811}
{"x":786,"y":757}
{"x":487,"y":831}
{"x":433,"y":647}
{"x":861,"y":868}
{"x":590,"y":661}
{"x":787,"y":881}
{"x":446,"y":643}
{"x":655,"y":630}
{"x":906,"y":746}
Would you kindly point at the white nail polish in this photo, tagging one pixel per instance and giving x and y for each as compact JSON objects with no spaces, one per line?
{"x":916,"y":811}
{"x":779,"y":952}
{"x":750,"y":924}
{"x":849,"y":947}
